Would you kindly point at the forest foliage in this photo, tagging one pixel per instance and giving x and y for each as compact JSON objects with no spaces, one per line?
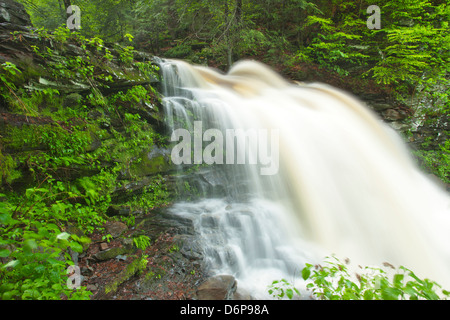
{"x":58,"y":176}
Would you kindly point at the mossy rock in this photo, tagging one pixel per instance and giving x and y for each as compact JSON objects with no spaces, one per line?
{"x":136,"y":267}
{"x":157,"y":161}
{"x":113,"y":252}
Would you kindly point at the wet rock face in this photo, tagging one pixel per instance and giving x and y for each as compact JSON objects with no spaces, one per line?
{"x":13,"y":13}
{"x":13,"y":17}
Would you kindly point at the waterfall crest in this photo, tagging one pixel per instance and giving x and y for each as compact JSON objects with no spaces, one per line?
{"x":346,"y":182}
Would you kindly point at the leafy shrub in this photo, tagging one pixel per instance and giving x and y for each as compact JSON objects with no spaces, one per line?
{"x":436,"y":162}
{"x":35,"y":253}
{"x":179,"y":52}
{"x":333,"y":281}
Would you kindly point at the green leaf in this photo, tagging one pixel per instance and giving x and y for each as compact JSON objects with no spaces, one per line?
{"x":368,"y":295}
{"x":29,"y":245}
{"x":306,"y":272}
{"x":63,"y":236}
{"x":9,"y":295}
{"x":410,"y":290}
{"x":76,"y":247}
{"x":390,"y":293}
{"x":11,"y":264}
{"x":398,"y":280}
{"x":290,"y":293}
{"x":5,"y":218}
{"x":6,"y":287}
{"x":4,"y":253}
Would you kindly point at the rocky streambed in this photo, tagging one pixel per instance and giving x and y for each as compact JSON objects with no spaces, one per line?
{"x":175,"y":268}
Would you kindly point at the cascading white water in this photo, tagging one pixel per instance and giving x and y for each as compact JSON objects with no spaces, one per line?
{"x":346,"y":183}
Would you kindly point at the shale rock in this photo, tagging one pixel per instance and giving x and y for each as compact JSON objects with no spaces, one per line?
{"x":108,"y":254}
{"x":115,"y":228}
{"x":13,"y":13}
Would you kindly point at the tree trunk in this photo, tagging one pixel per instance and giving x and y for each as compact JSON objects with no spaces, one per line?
{"x":227,"y":35}
{"x":67,"y":4}
{"x":172,"y":23}
{"x":239,"y":12}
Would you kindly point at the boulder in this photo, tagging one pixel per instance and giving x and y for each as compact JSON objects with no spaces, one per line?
{"x":393,"y":115}
{"x":14,"y":13}
{"x":116,"y":228}
{"x":156,"y":161}
{"x":118,"y":210}
{"x":221,"y":287}
{"x":112,"y":253}
{"x":242,"y":294}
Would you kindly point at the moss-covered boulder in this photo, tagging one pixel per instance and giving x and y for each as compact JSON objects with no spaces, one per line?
{"x":155,"y":161}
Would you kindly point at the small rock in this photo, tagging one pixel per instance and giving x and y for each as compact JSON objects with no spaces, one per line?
{"x":220,"y":287}
{"x":380,"y":106}
{"x":128,"y":244}
{"x":116,"y":228}
{"x":87,"y":271}
{"x":110,"y":253}
{"x":74,"y":256}
{"x":91,"y":287}
{"x":103,"y":246}
{"x":121,"y":257}
{"x":115,"y":210}
{"x":393,"y":115}
{"x":242,"y":294}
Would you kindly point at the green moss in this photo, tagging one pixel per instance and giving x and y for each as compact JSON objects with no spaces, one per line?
{"x":149,"y":166}
{"x":23,"y":137}
{"x":51,"y":137}
{"x":137,"y":266}
{"x":8,"y":172}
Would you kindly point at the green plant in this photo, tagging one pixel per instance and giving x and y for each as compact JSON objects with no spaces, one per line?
{"x":155,"y":194}
{"x":62,"y":34}
{"x":281,"y":289}
{"x":35,"y":254}
{"x":129,"y":37}
{"x":335,"y":47}
{"x":126,"y":54}
{"x":141,"y":242}
{"x":128,"y":220}
{"x":107,"y":237}
{"x":334,"y":281}
{"x":436,"y":161}
{"x":174,"y":248}
{"x":9,"y":74}
{"x":148,"y":69}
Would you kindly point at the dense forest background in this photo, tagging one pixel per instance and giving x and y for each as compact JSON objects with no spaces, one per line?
{"x":83,"y":151}
{"x":410,"y":49}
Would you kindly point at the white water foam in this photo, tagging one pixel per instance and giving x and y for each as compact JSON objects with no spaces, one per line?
{"x":347,"y":184}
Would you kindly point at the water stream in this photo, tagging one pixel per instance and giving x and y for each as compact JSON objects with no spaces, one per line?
{"x":322,"y":175}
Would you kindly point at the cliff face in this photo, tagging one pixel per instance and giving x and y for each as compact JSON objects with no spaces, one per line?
{"x":13,"y":13}
{"x":47,"y":76}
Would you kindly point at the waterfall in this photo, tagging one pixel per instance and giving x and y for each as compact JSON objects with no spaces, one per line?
{"x":344,"y":182}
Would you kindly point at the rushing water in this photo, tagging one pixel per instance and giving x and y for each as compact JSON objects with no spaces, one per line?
{"x":345,"y":182}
